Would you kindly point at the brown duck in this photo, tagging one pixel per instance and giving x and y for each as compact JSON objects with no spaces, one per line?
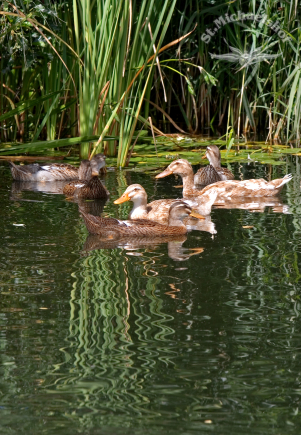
{"x":141,"y":227}
{"x":52,"y":172}
{"x":213,"y":172}
{"x":225,"y":189}
{"x":89,"y":185}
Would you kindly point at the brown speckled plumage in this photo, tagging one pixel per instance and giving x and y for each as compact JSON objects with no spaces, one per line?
{"x":92,"y":189}
{"x":89,"y":185}
{"x":157,"y":211}
{"x":139,"y":227}
{"x":213,"y":172}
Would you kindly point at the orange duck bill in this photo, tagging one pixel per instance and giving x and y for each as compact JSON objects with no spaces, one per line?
{"x":196,"y":215}
{"x":124,"y":198}
{"x":164,"y":173}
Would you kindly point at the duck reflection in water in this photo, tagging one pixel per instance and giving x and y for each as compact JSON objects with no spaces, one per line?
{"x":53,"y":187}
{"x":256,"y":204}
{"x":175,"y":248}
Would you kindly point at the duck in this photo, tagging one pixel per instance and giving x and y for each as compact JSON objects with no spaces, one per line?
{"x":158,"y":210}
{"x":141,"y":227}
{"x":213,"y":172}
{"x":89,"y":185}
{"x":52,"y":172}
{"x":225,"y":189}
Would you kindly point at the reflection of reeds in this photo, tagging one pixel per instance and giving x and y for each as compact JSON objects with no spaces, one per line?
{"x":114,"y":339}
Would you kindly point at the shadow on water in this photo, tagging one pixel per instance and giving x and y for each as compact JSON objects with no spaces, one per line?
{"x":99,"y":337}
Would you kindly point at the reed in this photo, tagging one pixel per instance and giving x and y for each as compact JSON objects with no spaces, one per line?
{"x":102,"y":72}
{"x":115,"y":40}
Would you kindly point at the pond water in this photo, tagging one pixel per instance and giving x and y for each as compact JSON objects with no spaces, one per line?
{"x":151,"y":339}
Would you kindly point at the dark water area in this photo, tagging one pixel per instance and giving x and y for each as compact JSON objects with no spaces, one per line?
{"x":152,"y":339}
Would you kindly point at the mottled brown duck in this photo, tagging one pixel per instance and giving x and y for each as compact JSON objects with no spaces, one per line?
{"x":141,"y":227}
{"x":213,"y":172}
{"x":89,"y":185}
{"x":51,"y":172}
{"x":225,"y":189}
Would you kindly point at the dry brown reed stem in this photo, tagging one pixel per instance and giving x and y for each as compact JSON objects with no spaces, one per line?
{"x":105,"y":90}
{"x":166,"y":115}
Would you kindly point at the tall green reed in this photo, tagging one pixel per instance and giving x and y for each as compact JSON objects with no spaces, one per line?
{"x":115,"y":39}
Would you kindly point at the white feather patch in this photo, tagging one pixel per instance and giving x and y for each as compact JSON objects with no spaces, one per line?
{"x":127,"y":223}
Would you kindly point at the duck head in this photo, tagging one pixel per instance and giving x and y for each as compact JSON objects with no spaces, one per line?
{"x":180,"y":167}
{"x":135,"y":193}
{"x":97,"y":162}
{"x":213,"y":155}
{"x":181,"y":210}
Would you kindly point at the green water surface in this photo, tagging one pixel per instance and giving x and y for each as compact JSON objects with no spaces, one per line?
{"x":136,"y":340}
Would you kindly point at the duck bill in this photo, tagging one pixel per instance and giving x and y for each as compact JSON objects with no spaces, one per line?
{"x":124,"y":198}
{"x":204,"y":156}
{"x":95,"y":173}
{"x":164,"y":173}
{"x":196,"y":215}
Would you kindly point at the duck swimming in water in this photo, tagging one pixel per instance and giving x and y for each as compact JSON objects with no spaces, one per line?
{"x":213,"y":172}
{"x":158,"y":210}
{"x":52,"y":172}
{"x":89,"y":185}
{"x":141,"y":227}
{"x":226,"y":189}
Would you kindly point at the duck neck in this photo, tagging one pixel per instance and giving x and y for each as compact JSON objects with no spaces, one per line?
{"x":176,"y":222}
{"x":214,"y":161}
{"x":85,"y":171}
{"x":188,"y":183}
{"x":139,"y":207}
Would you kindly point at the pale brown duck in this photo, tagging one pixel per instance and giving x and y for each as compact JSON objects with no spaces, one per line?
{"x":225,"y":189}
{"x":158,"y":210}
{"x":213,"y":172}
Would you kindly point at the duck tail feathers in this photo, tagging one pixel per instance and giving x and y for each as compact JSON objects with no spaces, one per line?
{"x":285,"y":179}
